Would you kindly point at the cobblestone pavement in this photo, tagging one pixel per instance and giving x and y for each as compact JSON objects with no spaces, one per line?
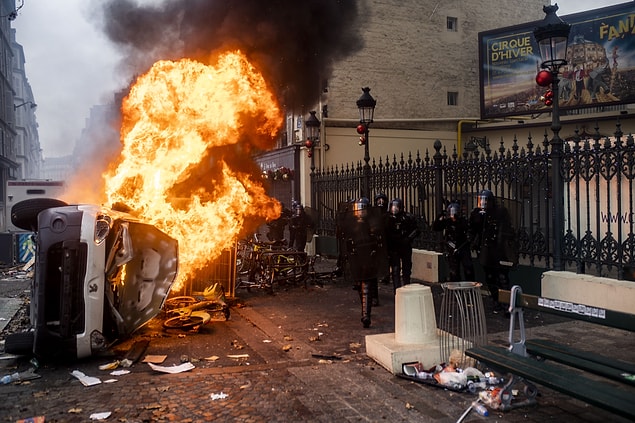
{"x":268,"y":361}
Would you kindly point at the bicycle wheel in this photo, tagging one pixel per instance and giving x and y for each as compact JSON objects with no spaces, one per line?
{"x":178,"y":302}
{"x":186,"y":322}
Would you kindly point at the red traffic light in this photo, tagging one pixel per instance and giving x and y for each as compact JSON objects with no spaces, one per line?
{"x":544,"y":78}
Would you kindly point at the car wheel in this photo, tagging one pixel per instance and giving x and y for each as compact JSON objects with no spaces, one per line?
{"x":20,"y":343}
{"x":24,"y":213}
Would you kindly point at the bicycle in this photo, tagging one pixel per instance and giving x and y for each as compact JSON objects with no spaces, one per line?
{"x":188,"y":312}
{"x":274,"y":264}
{"x":319,"y":276}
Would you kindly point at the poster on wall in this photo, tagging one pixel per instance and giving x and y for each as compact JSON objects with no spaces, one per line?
{"x":600,"y":69}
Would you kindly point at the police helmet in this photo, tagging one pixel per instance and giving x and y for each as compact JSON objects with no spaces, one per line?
{"x":454,"y":210}
{"x":381,"y":201}
{"x":396,"y":207}
{"x":486,"y":199}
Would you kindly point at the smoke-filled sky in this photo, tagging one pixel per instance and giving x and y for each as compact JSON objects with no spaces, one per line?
{"x":80,"y":52}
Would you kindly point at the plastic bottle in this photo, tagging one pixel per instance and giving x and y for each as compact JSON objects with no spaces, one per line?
{"x":480,"y":409}
{"x":6,"y":379}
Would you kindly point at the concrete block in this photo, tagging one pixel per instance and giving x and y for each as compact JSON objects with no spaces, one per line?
{"x":390,"y":354}
{"x":415,"y":321}
{"x":610,"y":294}
{"x":425,"y":265}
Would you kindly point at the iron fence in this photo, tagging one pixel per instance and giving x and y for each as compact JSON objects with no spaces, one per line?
{"x":596,"y":211}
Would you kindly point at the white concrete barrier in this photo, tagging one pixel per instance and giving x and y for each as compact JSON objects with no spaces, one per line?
{"x":425,"y":265}
{"x":595,"y":291}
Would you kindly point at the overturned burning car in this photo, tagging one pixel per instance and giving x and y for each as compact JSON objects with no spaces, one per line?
{"x":100,"y":274}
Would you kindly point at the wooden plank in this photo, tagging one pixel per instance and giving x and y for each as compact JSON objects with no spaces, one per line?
{"x":621,"y":365}
{"x":609,"y":396}
{"x":580,"y":363}
{"x":575,"y":311}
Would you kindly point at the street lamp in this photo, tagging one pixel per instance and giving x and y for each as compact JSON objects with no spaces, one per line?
{"x":552,"y":36}
{"x":33,"y":105}
{"x":312,"y":136}
{"x":366,"y":105}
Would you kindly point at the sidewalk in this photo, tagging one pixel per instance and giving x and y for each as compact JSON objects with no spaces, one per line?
{"x":279,"y":379}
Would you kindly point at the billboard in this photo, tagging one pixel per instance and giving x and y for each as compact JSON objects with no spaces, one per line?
{"x":600,"y":69}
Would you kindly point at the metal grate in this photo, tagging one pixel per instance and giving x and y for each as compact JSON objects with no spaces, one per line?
{"x":462,"y":320}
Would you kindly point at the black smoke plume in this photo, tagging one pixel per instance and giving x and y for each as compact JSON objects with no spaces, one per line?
{"x":294,"y":43}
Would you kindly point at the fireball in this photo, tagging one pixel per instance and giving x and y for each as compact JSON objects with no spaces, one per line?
{"x":188,"y":130}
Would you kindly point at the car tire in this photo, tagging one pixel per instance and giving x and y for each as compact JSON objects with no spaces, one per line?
{"x":24,"y":213}
{"x":20,"y":343}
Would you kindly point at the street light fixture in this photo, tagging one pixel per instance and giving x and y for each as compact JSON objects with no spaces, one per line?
{"x":33,"y":105}
{"x":366,"y":105}
{"x":312,"y":136}
{"x":552,"y":36}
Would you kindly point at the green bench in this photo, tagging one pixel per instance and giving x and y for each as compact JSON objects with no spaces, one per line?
{"x":590,"y":377}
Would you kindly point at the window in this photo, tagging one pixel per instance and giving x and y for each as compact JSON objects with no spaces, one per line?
{"x":453,"y":98}
{"x":453,"y":24}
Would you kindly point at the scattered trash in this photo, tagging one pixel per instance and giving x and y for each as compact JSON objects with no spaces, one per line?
{"x":237,"y":345}
{"x":156,"y":359}
{"x":286,"y":347}
{"x":174,"y":369}
{"x":86,"y":380}
{"x":7,"y":379}
{"x":245,"y":386}
{"x":215,"y":397}
{"x":119,"y":372}
{"x":185,"y":358}
{"x":479,"y":408}
{"x":288,"y":338}
{"x":110,"y":366}
{"x":111,"y":380}
{"x":75,"y":411}
{"x":238,"y":355}
{"x":211,"y":358}
{"x":409,"y":406}
{"x":100,"y":416}
{"x":267,"y":341}
{"x":38,"y":419}
{"x":326,"y":357}
{"x":126,"y":363}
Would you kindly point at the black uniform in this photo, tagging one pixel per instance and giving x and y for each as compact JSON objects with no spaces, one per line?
{"x":457,"y":243}
{"x":365,"y":249}
{"x":401,"y":230}
{"x":298,"y":225}
{"x":491,"y":229}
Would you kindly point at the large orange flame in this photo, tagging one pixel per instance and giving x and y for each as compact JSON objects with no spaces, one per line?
{"x":187,"y":131}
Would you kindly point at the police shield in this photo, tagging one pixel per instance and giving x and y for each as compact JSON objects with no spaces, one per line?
{"x":363,"y":242}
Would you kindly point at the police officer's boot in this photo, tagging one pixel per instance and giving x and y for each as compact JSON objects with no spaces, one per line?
{"x":366,"y":303}
{"x":375,"y":292}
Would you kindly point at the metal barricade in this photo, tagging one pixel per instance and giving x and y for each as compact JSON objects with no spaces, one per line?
{"x":462,"y":321}
{"x":221,"y":271}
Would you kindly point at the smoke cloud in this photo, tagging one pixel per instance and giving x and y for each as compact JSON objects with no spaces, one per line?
{"x":293,"y":43}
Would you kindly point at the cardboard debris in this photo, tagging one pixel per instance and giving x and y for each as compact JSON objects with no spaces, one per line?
{"x":86,"y":380}
{"x":173,"y":369}
{"x":156,"y":359}
{"x":100,"y":416}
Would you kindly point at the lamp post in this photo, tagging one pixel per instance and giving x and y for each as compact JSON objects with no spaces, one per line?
{"x":312,"y":125}
{"x":366,"y":105}
{"x":33,"y":105}
{"x":552,"y":36}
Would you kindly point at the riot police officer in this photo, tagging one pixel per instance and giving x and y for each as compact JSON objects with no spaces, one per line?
{"x":457,"y":244}
{"x":298,"y":225}
{"x":363,"y":232}
{"x":401,"y":230}
{"x":491,"y":232}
